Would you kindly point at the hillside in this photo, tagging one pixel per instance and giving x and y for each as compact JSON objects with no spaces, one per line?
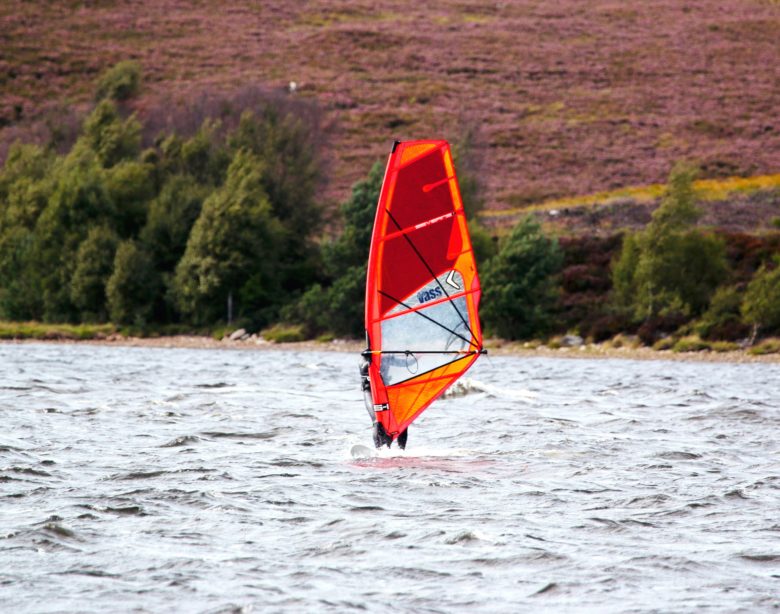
{"x":565,"y":98}
{"x":749,"y":205}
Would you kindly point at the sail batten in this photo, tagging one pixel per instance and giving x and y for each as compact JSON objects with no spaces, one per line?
{"x":422,"y":288}
{"x":411,"y":229}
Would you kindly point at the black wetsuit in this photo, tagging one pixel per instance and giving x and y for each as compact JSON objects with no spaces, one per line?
{"x":381,"y":437}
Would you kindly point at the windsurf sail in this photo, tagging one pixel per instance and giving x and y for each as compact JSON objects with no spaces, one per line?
{"x":422,"y":288}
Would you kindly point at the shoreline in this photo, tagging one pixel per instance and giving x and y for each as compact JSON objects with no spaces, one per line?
{"x":495,"y":348}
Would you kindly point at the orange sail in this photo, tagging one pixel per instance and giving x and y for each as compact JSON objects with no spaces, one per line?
{"x":422,"y":288}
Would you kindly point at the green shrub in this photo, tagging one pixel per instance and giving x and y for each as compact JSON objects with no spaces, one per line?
{"x":621,"y":340}
{"x":291,"y":176}
{"x":24,"y":185}
{"x":624,"y":268}
{"x":338,"y":309}
{"x":284,"y":333}
{"x":722,"y":318}
{"x":691,"y":343}
{"x":724,"y":346}
{"x":656,"y":327}
{"x":221,"y":331}
{"x":555,"y":343}
{"x":666,"y":343}
{"x":204,"y":158}
{"x":768,"y":346}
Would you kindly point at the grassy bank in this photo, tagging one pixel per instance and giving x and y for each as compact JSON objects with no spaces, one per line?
{"x":86,"y":332}
{"x":628,"y":347}
{"x":54,"y":332}
{"x":621,"y":346}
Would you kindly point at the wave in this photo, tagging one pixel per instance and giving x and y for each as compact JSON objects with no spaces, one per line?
{"x":466,"y":386}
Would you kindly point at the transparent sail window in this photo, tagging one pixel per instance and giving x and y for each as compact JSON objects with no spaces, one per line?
{"x":444,"y":327}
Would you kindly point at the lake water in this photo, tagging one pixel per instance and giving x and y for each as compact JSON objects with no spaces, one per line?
{"x":142,"y":479}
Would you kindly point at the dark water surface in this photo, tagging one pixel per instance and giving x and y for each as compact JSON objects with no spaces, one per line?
{"x":136,"y":479}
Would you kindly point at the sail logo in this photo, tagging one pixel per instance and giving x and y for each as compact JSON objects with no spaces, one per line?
{"x":428,"y":295}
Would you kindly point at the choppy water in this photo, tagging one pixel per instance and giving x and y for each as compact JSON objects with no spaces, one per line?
{"x":161,"y":479}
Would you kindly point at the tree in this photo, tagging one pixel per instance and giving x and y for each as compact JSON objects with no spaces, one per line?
{"x":25,"y":188}
{"x":203,"y":157}
{"x":345,"y":306}
{"x":20,"y":282}
{"x":62,"y":218}
{"x":338,"y":307}
{"x":171,"y":217}
{"x":232,"y":249}
{"x":350,"y":249}
{"x":109,"y":136}
{"x":121,"y":82}
{"x":519,"y":285}
{"x":130,"y":187}
{"x":132,"y":285}
{"x":482,"y":242}
{"x":290,"y":174}
{"x":78,"y":200}
{"x":761,"y":305}
{"x":669,"y":267}
{"x":624,"y":272}
{"x":24,"y":185}
{"x":94,"y":265}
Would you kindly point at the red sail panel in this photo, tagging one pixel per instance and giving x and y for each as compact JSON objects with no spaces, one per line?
{"x":422,"y":288}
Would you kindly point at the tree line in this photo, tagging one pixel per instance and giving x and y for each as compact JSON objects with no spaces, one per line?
{"x":225,"y":223}
{"x":169,"y":233}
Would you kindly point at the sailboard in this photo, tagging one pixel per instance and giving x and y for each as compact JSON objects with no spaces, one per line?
{"x":422,"y":287}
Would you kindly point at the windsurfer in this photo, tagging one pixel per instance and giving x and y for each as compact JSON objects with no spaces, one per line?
{"x":381,"y":437}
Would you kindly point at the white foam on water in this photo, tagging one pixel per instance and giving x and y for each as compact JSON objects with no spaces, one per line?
{"x":366,"y":450}
{"x":466,"y":386}
{"x":359,"y":451}
{"x":423,"y":452}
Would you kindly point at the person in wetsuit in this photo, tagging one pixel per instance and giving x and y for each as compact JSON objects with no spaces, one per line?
{"x":381,"y":437}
